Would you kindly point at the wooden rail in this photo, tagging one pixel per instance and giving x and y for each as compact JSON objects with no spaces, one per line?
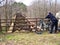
{"x":34,"y":20}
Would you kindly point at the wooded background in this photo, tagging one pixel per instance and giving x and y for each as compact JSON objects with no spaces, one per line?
{"x":40,"y":8}
{"x":37,"y":9}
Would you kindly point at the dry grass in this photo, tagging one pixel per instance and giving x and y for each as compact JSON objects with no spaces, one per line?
{"x":30,"y":39}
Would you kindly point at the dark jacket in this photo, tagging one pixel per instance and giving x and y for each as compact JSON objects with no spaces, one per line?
{"x":52,"y":17}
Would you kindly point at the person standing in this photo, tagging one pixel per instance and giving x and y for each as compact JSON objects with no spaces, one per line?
{"x":54,"y":22}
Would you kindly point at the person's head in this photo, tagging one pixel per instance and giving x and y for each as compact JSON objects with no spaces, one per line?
{"x":50,"y":13}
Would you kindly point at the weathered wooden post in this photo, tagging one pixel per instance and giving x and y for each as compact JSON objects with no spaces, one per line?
{"x":6,"y":14}
{"x":0,"y":18}
{"x":36,"y":24}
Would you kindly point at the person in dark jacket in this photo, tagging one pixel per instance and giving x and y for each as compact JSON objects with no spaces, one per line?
{"x":54,"y":22}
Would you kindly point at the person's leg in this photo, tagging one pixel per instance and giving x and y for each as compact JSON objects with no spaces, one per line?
{"x":52,"y":26}
{"x":56,"y":27}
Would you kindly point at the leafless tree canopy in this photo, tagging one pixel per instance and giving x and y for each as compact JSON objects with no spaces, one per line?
{"x":40,"y":8}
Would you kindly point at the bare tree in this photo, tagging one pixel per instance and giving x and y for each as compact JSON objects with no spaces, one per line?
{"x":42,"y":7}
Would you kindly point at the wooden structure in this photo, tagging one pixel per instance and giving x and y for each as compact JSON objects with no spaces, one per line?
{"x":21,"y":23}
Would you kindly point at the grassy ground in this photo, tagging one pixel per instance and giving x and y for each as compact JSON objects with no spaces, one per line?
{"x":29,"y":39}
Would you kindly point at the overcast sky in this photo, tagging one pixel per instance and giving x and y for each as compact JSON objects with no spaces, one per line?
{"x":27,"y":2}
